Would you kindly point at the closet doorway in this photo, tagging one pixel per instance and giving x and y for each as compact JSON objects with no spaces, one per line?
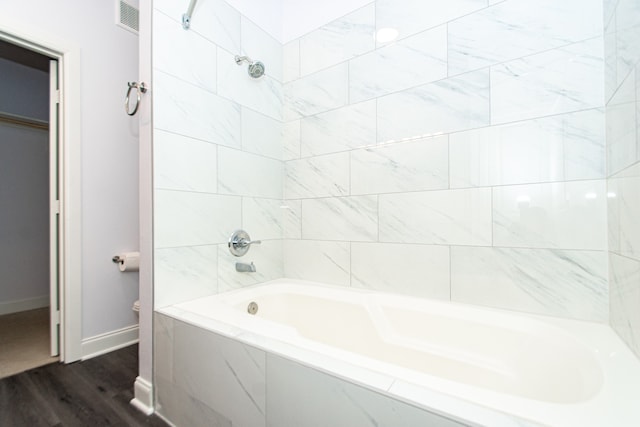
{"x":29,"y":209}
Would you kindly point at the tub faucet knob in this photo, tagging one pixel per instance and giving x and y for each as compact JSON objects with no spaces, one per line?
{"x":240,"y":242}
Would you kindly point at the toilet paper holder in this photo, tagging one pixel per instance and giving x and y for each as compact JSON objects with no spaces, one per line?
{"x":117,"y":260}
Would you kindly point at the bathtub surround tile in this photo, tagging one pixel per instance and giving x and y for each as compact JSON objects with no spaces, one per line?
{"x":261,"y":134}
{"x":183,"y":54}
{"x":321,"y":176}
{"x":624,"y":211}
{"x":518,"y":28}
{"x":263,"y":94}
{"x":316,"y":93}
{"x":337,"y":130}
{"x":291,"y":140}
{"x":454,"y":217}
{"x":291,"y":59}
{"x":401,"y":167}
{"x":183,"y":274}
{"x":262,"y":218}
{"x":338,"y":41}
{"x":183,"y":163}
{"x":246,"y":174}
{"x":233,"y":381}
{"x":449,"y":105}
{"x":565,"y":215}
{"x":217,"y":21}
{"x":624,"y":276}
{"x":163,"y":347}
{"x":413,"y":16}
{"x":564,"y":147}
{"x":182,"y":108}
{"x":416,"y":270}
{"x":292,"y":219}
{"x":259,"y":45}
{"x":301,"y":396}
{"x":622,"y":127}
{"x":559,"y":283}
{"x":190,"y":219}
{"x":410,"y":62}
{"x":557,"y":81}
{"x":627,"y":36}
{"x":352,"y":218}
{"x":266,"y":257}
{"x":318,"y":261}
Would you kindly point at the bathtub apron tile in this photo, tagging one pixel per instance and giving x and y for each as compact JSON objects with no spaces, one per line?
{"x":227,"y":376}
{"x":416,"y":270}
{"x":163,"y":347}
{"x":301,"y":396}
{"x":560,"y":283}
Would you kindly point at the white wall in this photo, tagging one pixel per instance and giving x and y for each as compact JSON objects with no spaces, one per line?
{"x":109,"y":58}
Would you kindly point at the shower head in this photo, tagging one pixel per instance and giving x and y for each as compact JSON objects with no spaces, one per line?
{"x":256,"y":68}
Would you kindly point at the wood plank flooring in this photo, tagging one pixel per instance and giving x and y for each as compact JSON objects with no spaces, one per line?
{"x":92,"y":393}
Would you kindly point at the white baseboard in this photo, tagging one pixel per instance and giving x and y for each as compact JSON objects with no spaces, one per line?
{"x":105,"y":343}
{"x":143,"y":392}
{"x":24,"y":304}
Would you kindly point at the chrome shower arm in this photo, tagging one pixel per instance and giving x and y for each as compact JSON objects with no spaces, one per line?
{"x":186,"y":18}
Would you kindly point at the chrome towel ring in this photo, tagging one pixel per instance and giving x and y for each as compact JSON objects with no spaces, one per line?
{"x":139,"y":88}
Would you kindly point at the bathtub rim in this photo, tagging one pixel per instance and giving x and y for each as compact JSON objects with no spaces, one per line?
{"x":433,"y":399}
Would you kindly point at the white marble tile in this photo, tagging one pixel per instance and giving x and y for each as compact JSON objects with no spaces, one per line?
{"x":182,"y":163}
{"x":291,"y":140}
{"x":261,"y":134}
{"x":569,"y":146}
{"x":457,"y":217}
{"x":316,"y":93}
{"x":337,"y":130}
{"x":624,"y":211}
{"x":400,"y":167}
{"x":181,"y":409}
{"x":183,"y":54}
{"x":183,"y":274}
{"x":610,"y":61}
{"x":413,"y":16}
{"x":189,"y":219}
{"x":182,"y":108}
{"x":624,"y":277}
{"x":416,"y":270}
{"x":225,"y":375}
{"x":266,"y":257}
{"x":217,"y":21}
{"x":263,"y":94}
{"x":246,"y":174}
{"x":260,"y":46}
{"x":450,"y":105}
{"x":291,"y":59}
{"x":561,"y":80}
{"x":622,"y":126}
{"x":319,"y":261}
{"x":519,"y":28}
{"x":552,"y":282}
{"x":341,"y":218}
{"x":320,"y":176}
{"x":564,"y":215}
{"x":292,"y":219}
{"x":170,"y":8}
{"x":410,"y":62}
{"x":338,"y":41}
{"x":163,"y":346}
{"x":609,"y":9}
{"x":627,"y":36}
{"x":301,"y":396}
{"x":262,"y":218}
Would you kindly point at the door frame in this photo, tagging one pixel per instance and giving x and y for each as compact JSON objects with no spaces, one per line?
{"x":69,"y":179}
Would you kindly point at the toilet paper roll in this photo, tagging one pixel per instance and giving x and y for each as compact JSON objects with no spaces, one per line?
{"x":129,"y":261}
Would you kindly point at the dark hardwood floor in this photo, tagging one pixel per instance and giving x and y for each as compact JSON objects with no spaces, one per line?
{"x":92,"y":393}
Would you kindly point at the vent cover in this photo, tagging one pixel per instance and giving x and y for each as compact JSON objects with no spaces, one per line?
{"x":127,"y":16}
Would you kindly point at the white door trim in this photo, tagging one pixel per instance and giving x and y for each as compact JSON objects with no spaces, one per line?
{"x":68,"y":56}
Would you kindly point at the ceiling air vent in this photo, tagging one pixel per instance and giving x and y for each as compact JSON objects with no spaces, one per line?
{"x":127,"y":16}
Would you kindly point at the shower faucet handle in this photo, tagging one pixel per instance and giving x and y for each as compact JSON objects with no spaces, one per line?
{"x":240,"y":242}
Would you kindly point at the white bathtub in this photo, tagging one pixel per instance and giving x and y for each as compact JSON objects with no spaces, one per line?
{"x":475,"y":365}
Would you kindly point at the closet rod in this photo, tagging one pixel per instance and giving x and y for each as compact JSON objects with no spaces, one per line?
{"x":186,"y":18}
{"x":23,"y":121}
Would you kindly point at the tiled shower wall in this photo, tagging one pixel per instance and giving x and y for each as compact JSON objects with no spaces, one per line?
{"x":622,"y":52}
{"x":217,"y":151}
{"x":464,"y":161}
